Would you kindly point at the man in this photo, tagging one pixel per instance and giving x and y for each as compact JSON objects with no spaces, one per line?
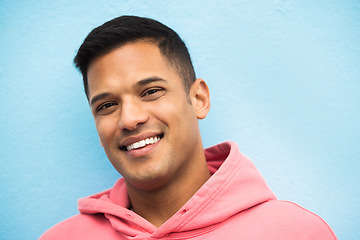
{"x":146,"y":102}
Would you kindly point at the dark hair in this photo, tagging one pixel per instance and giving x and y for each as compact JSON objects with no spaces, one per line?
{"x":125,"y":29}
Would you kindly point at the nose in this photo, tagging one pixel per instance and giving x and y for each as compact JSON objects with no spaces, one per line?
{"x":132,"y":114}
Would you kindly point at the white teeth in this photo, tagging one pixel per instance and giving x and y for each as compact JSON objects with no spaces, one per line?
{"x":143,"y":143}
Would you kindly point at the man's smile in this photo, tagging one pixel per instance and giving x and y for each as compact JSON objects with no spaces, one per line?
{"x":140,"y":141}
{"x":143,"y":143}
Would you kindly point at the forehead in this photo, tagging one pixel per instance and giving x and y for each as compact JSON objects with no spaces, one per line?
{"x":133,"y":53}
{"x":128,"y":64}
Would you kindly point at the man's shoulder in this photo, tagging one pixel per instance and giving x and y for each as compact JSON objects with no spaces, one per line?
{"x":290,"y":209}
{"x":292,"y":217}
{"x":78,"y":227}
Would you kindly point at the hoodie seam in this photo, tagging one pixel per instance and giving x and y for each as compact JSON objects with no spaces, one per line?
{"x":203,"y":232}
{"x":315,"y":215}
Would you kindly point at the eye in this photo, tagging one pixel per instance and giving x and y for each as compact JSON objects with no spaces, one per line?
{"x":105,"y":106}
{"x":152,"y":94}
{"x":151,"y":91}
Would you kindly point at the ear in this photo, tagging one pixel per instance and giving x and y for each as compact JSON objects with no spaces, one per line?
{"x":101,"y":143}
{"x":200,"y":98}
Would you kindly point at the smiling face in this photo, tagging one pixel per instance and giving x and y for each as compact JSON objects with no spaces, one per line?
{"x":146,"y":122}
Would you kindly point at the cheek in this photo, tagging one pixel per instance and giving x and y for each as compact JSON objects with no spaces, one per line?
{"x":177,"y":115}
{"x":106,"y":128}
{"x":167,"y":112}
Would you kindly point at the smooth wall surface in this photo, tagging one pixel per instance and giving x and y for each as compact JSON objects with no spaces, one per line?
{"x":284,"y":77}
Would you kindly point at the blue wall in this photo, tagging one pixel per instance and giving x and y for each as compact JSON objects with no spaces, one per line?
{"x":284,"y":77}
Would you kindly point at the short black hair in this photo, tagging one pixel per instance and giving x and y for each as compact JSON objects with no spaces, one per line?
{"x":126,"y":29}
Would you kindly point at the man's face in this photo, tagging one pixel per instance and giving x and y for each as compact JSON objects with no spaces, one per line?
{"x":144,"y":118}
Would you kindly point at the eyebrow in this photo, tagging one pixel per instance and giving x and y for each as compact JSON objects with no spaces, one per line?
{"x":138,"y":84}
{"x":149,"y":80}
{"x":98,"y":97}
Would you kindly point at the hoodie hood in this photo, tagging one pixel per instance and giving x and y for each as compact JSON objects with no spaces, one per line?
{"x":235,"y":185}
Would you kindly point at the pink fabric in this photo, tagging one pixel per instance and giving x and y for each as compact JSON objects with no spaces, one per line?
{"x":235,"y":203}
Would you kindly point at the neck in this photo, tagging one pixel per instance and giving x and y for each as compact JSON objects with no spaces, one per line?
{"x":160,"y":204}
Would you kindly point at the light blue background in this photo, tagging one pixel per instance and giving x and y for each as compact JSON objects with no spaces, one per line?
{"x":284,"y":79}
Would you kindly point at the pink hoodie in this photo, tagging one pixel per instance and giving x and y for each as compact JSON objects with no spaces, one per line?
{"x":235,"y":203}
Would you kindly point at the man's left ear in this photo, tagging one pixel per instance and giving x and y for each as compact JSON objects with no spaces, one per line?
{"x":200,"y":98}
